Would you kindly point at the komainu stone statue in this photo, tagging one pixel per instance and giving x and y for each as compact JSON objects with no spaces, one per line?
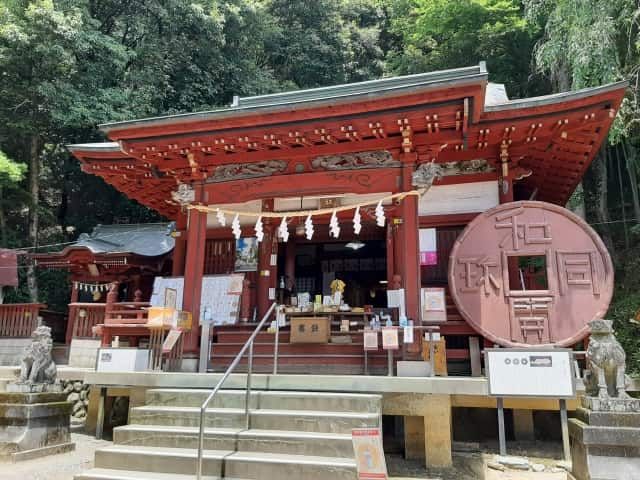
{"x":37,"y":365}
{"x":605,"y":377}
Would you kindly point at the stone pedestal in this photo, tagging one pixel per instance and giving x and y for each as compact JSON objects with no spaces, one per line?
{"x":606,"y":439}
{"x":33,"y":425}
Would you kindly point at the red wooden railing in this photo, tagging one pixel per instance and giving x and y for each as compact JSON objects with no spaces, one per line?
{"x":82,"y":318}
{"x":19,"y":319}
{"x":126,"y":313}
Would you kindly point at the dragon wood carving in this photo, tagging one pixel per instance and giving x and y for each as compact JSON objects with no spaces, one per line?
{"x":354,"y":161}
{"x":226,"y":173}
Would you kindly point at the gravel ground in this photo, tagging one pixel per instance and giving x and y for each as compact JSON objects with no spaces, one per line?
{"x":56,"y":467}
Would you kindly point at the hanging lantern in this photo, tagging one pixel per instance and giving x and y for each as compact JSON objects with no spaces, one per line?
{"x":334,"y":228}
{"x":283,"y":231}
{"x":220,"y":216}
{"x":308,"y":228}
{"x":259,"y":230}
{"x":380,"y":219}
{"x":357,"y":226}
{"x":235,"y":227}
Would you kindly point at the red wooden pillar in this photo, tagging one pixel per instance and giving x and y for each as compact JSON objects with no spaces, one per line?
{"x":267,"y":273}
{"x":194,"y":269}
{"x":179,"y":251}
{"x":410,"y":247}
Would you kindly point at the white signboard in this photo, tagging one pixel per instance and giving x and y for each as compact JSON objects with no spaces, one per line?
{"x":524,"y":372}
{"x":122,"y":360}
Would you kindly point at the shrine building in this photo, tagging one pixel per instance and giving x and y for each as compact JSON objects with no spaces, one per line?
{"x":433,"y":151}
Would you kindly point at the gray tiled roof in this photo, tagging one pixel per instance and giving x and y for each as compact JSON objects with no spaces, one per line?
{"x":322,"y":95}
{"x":149,"y":240}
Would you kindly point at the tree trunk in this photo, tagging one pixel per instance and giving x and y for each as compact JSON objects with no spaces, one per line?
{"x":622,"y":200}
{"x":34,"y":191}
{"x":3,"y":223}
{"x":595,"y":198}
{"x":629,"y":153}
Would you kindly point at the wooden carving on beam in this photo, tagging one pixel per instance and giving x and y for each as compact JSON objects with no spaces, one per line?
{"x":426,"y":174}
{"x":184,"y":195}
{"x":479,"y":165}
{"x":354,"y":161}
{"x":225,"y":173}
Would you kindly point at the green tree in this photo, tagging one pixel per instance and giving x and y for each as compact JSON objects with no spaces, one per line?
{"x":439,"y":34}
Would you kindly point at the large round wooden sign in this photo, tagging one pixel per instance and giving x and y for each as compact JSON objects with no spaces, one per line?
{"x":530,"y":273}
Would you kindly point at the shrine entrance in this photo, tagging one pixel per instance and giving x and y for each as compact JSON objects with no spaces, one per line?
{"x":358,"y":260}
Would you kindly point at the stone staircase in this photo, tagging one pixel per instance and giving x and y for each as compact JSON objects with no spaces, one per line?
{"x":305,"y":435}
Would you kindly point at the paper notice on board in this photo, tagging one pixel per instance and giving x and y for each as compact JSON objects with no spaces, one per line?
{"x":408,"y":334}
{"x":390,"y":338}
{"x":395,"y":299}
{"x":428,"y":246}
{"x":434,"y":305}
{"x":370,"y":340}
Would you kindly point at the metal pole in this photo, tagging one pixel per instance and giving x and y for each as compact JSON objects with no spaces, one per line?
{"x":564,"y":423}
{"x":231,"y":368}
{"x":276,"y":346}
{"x":366,"y":362}
{"x":501,"y":433}
{"x":390,"y":363}
{"x":200,"y":443}
{"x":432,"y":353}
{"x":248,"y":392}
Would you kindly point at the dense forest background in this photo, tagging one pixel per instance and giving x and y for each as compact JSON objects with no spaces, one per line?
{"x":68,"y":65}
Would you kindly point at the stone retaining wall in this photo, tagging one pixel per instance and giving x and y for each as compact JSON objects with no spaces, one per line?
{"x":77,"y":393}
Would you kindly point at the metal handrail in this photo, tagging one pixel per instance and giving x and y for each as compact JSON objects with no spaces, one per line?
{"x":248,"y":345}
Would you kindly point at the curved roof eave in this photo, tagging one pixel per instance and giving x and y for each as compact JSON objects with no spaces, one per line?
{"x":555,"y":98}
{"x":318,"y":97}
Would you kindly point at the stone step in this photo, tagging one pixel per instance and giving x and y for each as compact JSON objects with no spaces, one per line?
{"x":277,"y":466}
{"x":274,"y":400}
{"x":151,"y":462}
{"x":270,"y":441}
{"x":589,"y":435}
{"x":263,"y":419}
{"x":187,"y":416}
{"x":338,"y":445}
{"x":112,"y":474}
{"x":175,"y":437}
{"x":312,"y":421}
{"x":608,"y":419}
{"x":160,"y":460}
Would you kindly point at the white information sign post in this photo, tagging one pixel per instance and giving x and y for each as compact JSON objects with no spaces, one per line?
{"x":531,"y":372}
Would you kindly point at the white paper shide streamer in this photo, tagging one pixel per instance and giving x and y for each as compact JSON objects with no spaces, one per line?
{"x":308,"y":228}
{"x":334,"y":228}
{"x":357,"y":226}
{"x":259,"y":230}
{"x":235,"y":227}
{"x":221,"y":220}
{"x":283,"y":231}
{"x":380,"y":219}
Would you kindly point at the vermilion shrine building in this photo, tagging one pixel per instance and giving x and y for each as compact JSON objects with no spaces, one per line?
{"x":343,"y":145}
